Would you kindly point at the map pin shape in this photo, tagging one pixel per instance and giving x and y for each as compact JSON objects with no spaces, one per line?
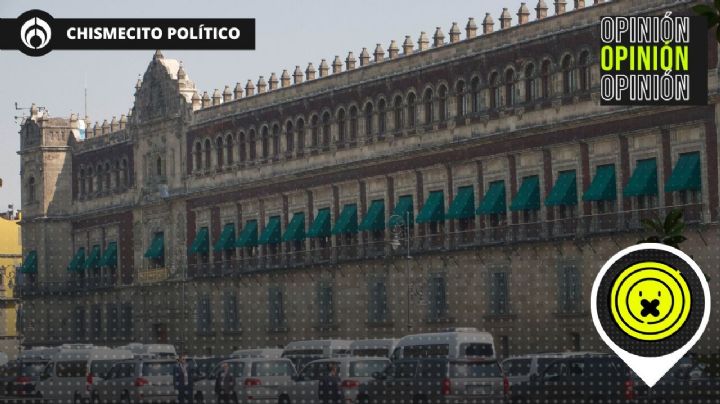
{"x":650,"y":305}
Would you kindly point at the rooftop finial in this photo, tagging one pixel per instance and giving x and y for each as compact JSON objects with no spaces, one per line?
{"x":393,"y":50}
{"x":337,"y":65}
{"x":505,"y":19}
{"x":123,"y":121}
{"x":158,"y":55}
{"x":310,"y":71}
{"x":249,"y":88}
{"x":205,"y":99}
{"x":261,"y":85}
{"x":408,"y":46}
{"x":113,"y":125}
{"x":297,"y":76}
{"x":454,"y":33}
{"x":471,"y":28}
{"x":273,"y":81}
{"x":216,"y":97}
{"x":560,"y":6}
{"x":238,"y":91}
{"x":523,"y":14}
{"x":379,"y":53}
{"x":181,"y":75}
{"x":541,"y":9}
{"x":579,"y":4}
{"x":138,"y":83}
{"x":350,"y":61}
{"x":227,"y":94}
{"x":324,"y":68}
{"x":438,"y":38}
{"x":423,"y":42}
{"x":488,"y":24}
{"x":196,"y":101}
{"x":364,"y":57}
{"x":285,"y":77}
{"x":105,"y":127}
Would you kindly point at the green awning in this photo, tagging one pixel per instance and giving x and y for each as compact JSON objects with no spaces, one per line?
{"x":463,"y":206}
{"x":403,"y":211}
{"x":77,"y":263}
{"x":249,"y":235}
{"x":528,"y":196}
{"x":109,"y":258}
{"x":227,"y":238}
{"x":321,"y":225}
{"x":564,"y":192}
{"x":296,"y":228}
{"x":29,"y":265}
{"x":375,"y":217}
{"x":434,"y":208}
{"x":200,"y":245}
{"x":347,"y":221}
{"x":686,"y":174}
{"x":271,"y":234}
{"x":157,"y":247}
{"x":602,"y":187}
{"x":494,"y":200}
{"x":93,"y":259}
{"x":643,"y":180}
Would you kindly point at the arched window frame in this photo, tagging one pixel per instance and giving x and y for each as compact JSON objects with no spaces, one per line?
{"x":530,"y":90}
{"x":276,"y":141}
{"x":568,"y":75}
{"x":494,"y":87}
{"x":326,"y":130}
{"x":208,"y":154}
{"x":442,"y":103}
{"x":368,"y":112}
{"x":342,"y":126}
{"x":265,"y":143}
{"x":242,"y":147}
{"x":411,"y":110}
{"x":219,"y":149}
{"x":382,"y":117}
{"x":509,"y":87}
{"x":475,"y":95}
{"x":353,"y":130}
{"x":229,"y":149}
{"x":428,"y":106}
{"x":300,"y":123}
{"x":398,"y":113}
{"x":584,"y":70}
{"x":198,"y":156}
{"x":289,"y":138}
{"x":460,"y":99}
{"x":252,"y":145}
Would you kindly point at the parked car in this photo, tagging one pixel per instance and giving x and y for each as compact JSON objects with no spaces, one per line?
{"x":70,"y":375}
{"x":588,"y":378}
{"x":257,"y":380}
{"x":520,"y":369}
{"x":455,"y":343}
{"x":378,"y":348}
{"x":137,"y":380}
{"x":19,"y":378}
{"x":303,"y":352}
{"x":352,"y":371}
{"x":437,"y":380}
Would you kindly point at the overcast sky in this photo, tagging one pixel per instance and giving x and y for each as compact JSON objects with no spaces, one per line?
{"x":289,"y":33}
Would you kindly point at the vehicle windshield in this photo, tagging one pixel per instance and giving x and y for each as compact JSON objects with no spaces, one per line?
{"x":100,"y":368}
{"x":158,"y":368}
{"x":477,"y":349}
{"x":427,"y":351}
{"x":272,"y":369}
{"x":371,"y":352}
{"x":366,"y":368}
{"x":32,"y":369}
{"x":71,"y":369}
{"x":517,"y":367}
{"x":468,"y":370}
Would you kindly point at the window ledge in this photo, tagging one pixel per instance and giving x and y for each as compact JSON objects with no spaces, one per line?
{"x":379,"y":324}
{"x":500,"y":317}
{"x":440,"y":320}
{"x":278,"y":330}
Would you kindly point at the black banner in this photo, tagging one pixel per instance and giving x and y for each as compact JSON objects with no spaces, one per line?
{"x":36,"y":33}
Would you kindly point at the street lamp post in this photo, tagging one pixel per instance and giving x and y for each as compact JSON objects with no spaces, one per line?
{"x":400,"y":227}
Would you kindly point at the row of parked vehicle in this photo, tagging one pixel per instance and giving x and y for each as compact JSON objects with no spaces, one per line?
{"x":457,"y":366}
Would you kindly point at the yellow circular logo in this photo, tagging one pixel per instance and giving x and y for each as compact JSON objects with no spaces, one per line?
{"x":650,"y":301}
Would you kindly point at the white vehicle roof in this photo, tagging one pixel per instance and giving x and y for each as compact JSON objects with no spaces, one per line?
{"x":449,"y":337}
{"x":351,"y":359}
{"x":139,"y":348}
{"x":319,"y":344}
{"x":553,"y":355}
{"x":270,"y":353}
{"x":92,"y":354}
{"x":373,"y":343}
{"x":40,"y":352}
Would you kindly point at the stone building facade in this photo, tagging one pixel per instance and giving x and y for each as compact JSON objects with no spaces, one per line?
{"x":468,"y":180}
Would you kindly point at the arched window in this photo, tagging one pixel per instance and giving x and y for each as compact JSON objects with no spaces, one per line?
{"x":90,"y":180}
{"x":125,"y":172}
{"x":252,"y":149}
{"x":108,"y":177}
{"x":99,"y":175}
{"x":289,"y":137}
{"x":117,"y":174}
{"x":265,"y":143}
{"x":460,"y":99}
{"x":229,"y":148}
{"x":411,"y":111}
{"x":242,"y":148}
{"x":208,"y":154}
{"x":545,"y":79}
{"x":509,"y":87}
{"x":342,"y":126}
{"x":475,"y":95}
{"x":326,"y":135}
{"x":494,"y":90}
{"x":353,"y":123}
{"x":314,"y":131}
{"x":442,"y":103}
{"x":82,"y":187}
{"x":219,"y":148}
{"x":529,"y":82}
{"x":300,"y":135}
{"x":397,"y":113}
{"x":584,"y":67}
{"x":428,"y":106}
{"x":368,"y":119}
{"x":568,"y":75}
{"x":31,"y":189}
{"x":198,"y":156}
{"x":382,"y":124}
{"x":158,"y":167}
{"x":276,"y":141}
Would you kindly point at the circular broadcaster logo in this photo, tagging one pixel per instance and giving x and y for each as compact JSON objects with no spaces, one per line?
{"x":35,"y":32}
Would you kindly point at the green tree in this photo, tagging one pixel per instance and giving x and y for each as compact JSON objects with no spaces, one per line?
{"x":712,"y":14}
{"x":668,"y":231}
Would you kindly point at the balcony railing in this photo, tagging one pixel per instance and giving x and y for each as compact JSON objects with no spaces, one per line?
{"x":88,"y":283}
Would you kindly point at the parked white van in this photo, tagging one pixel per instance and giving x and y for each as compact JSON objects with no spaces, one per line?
{"x":268,"y":353}
{"x":458,"y":343}
{"x":158,"y":351}
{"x":302,"y":352}
{"x":378,"y":348}
{"x":70,"y":375}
